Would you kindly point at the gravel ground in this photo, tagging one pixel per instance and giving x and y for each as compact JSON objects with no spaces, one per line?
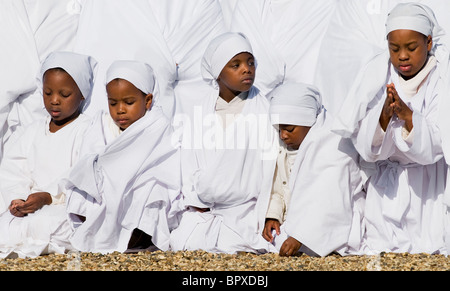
{"x":202,"y":261}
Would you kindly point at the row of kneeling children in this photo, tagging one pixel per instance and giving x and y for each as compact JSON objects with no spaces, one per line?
{"x":237,"y":171}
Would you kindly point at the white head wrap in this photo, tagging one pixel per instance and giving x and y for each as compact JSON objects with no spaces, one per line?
{"x":295,"y":104}
{"x":80,"y":67}
{"x":411,"y":16}
{"x":139,"y":74}
{"x":417,"y":17}
{"x":220,"y":51}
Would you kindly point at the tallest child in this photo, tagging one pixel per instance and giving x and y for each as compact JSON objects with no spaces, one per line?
{"x":227,"y":164}
{"x":394,"y":124}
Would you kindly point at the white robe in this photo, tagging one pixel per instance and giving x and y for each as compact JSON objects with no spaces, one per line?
{"x":325,"y":210}
{"x":404,"y":205}
{"x":30,"y":30}
{"x":131,"y":181}
{"x":285,"y":37}
{"x":37,"y":162}
{"x":229,"y":171}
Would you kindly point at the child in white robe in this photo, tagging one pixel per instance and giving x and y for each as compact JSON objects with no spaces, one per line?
{"x":292,"y":129}
{"x":228,"y":155}
{"x":30,"y":30}
{"x":391,"y":114}
{"x":129,"y":200}
{"x":315,"y":198}
{"x":41,"y":156}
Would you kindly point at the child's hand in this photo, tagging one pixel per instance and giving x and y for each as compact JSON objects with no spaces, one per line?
{"x":387,"y":111}
{"x":400,"y":108}
{"x":290,"y":247}
{"x":13,"y":207}
{"x":268,"y":227}
{"x":34,"y":202}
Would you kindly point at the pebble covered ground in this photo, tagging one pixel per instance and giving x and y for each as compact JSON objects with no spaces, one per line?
{"x":203,"y":261}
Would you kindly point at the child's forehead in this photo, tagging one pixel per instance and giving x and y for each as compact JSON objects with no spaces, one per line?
{"x":122,"y":86}
{"x":58,"y":75}
{"x":406,"y":33}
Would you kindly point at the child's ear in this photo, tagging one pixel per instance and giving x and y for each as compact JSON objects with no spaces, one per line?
{"x":429,"y":43}
{"x":148,"y":101}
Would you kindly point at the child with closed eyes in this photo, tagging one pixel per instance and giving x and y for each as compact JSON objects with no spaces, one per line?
{"x":129,"y":201}
{"x":41,"y":156}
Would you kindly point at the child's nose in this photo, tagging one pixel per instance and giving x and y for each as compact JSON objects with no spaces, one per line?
{"x":403,"y":55}
{"x":54,"y":99}
{"x":121,"y":109}
{"x":283,"y":134}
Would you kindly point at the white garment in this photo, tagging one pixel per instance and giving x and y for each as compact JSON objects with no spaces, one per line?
{"x":36,"y":162}
{"x":281,"y":194}
{"x":404,"y":208}
{"x":285,"y":35}
{"x":142,"y":40}
{"x":132,"y":181}
{"x":29,"y":30}
{"x":229,"y":171}
{"x":229,"y":111}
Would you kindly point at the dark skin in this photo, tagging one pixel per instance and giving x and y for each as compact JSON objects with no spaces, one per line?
{"x":408,"y":51}
{"x":237,"y":76}
{"x":62,"y":100}
{"x":126,"y":102}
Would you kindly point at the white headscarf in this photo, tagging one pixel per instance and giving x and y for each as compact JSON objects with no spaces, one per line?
{"x":139,"y":74}
{"x":295,"y":104}
{"x":220,"y":51}
{"x":80,"y":67}
{"x":411,"y":16}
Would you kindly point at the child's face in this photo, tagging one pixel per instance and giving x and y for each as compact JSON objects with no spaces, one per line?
{"x":238,"y":74}
{"x":126,"y":102}
{"x":409,"y":51}
{"x":293,"y":135}
{"x":62,"y":97}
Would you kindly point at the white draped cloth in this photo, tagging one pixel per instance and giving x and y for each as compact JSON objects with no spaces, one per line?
{"x":137,"y":36}
{"x":30,"y":30}
{"x":169,"y":35}
{"x":36,"y":162}
{"x":125,"y":182}
{"x":228,"y":170}
{"x":285,"y":35}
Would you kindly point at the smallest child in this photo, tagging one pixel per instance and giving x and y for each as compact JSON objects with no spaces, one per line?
{"x":317,"y":191}
{"x":293,"y":108}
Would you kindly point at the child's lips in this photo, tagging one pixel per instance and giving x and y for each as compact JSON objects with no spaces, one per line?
{"x":248,"y":81}
{"x":122,"y":121}
{"x":55,"y":113}
{"x":405,"y":68}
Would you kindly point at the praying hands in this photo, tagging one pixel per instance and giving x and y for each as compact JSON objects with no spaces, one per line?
{"x":395,"y":105}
